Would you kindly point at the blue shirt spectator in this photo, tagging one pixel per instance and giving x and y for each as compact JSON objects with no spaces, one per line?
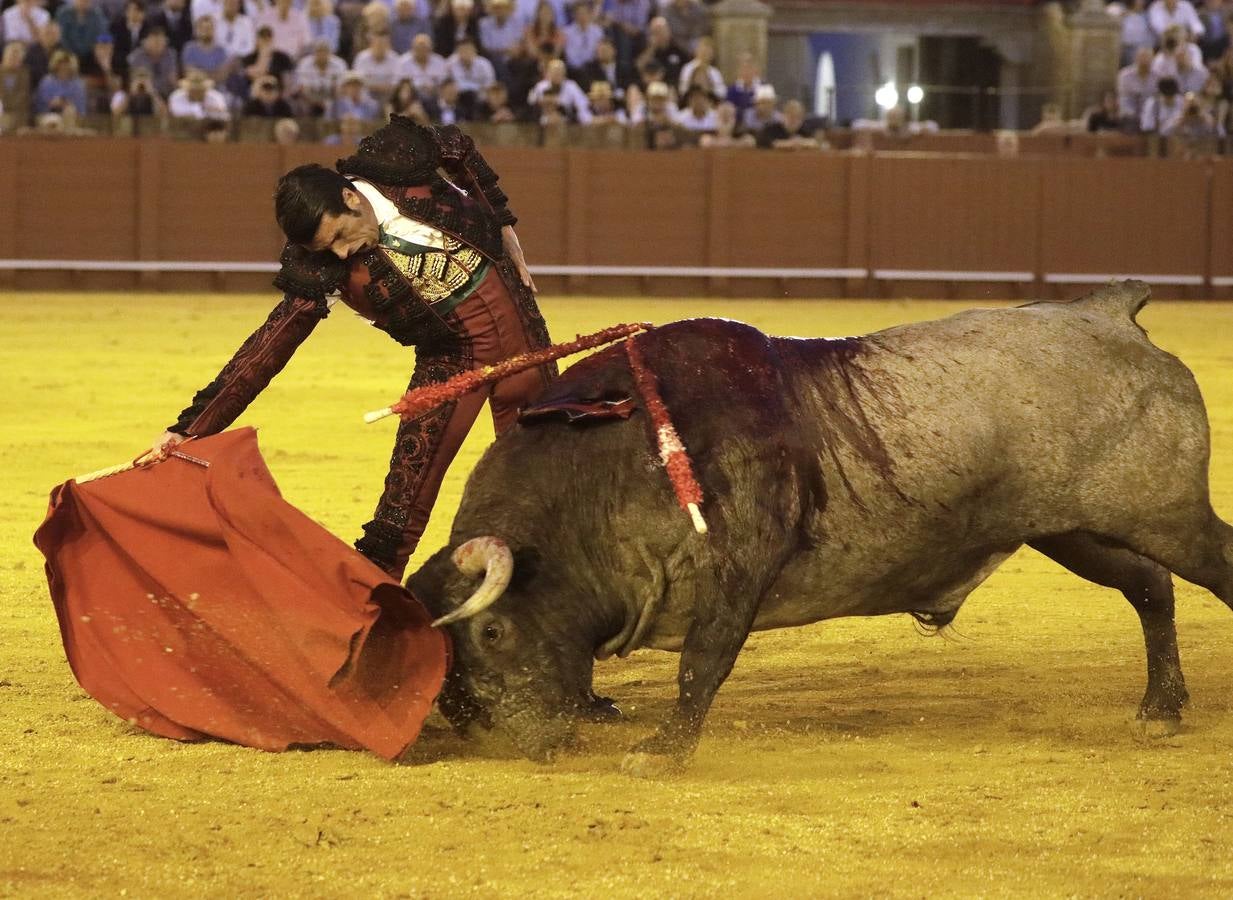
{"x":156,"y":57}
{"x":500,"y":31}
{"x":411,"y":17}
{"x":204,"y":54}
{"x":323,"y":24}
{"x":630,"y":15}
{"x":61,"y":87}
{"x":353,"y":101}
{"x":582,"y":36}
{"x":80,"y":23}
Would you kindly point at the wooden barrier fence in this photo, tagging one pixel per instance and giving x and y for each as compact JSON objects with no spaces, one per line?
{"x":615,"y":221}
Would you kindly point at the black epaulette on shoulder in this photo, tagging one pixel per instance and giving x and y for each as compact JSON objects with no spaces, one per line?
{"x":402,"y":153}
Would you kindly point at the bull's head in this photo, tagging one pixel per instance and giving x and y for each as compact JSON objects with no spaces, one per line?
{"x":517,"y":667}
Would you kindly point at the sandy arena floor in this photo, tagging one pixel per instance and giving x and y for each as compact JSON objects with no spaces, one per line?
{"x":854,"y":758}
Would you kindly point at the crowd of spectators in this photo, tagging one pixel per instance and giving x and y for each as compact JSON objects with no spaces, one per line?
{"x":647,"y":65}
{"x":1177,"y":75}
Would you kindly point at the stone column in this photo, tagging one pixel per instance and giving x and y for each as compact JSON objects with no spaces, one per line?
{"x":1095,"y":50}
{"x":739,"y":26}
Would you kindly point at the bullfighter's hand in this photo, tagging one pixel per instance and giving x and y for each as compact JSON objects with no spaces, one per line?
{"x":513,"y":250}
{"x":164,"y":444}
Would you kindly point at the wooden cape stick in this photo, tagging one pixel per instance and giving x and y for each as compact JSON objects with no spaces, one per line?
{"x":420,"y":400}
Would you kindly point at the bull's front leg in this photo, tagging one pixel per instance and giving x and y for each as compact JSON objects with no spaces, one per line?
{"x":711,"y":646}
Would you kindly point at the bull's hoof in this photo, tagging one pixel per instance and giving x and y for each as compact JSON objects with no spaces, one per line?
{"x":1154,"y":729}
{"x":601,"y":709}
{"x":641,"y":764}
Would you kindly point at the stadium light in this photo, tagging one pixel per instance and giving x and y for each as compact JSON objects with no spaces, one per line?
{"x":887,"y":96}
{"x":916,"y":94}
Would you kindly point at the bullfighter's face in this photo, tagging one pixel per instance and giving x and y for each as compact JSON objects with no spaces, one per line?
{"x":349,"y":232}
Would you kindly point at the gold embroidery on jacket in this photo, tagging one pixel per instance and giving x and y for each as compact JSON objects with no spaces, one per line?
{"x":435,"y":274}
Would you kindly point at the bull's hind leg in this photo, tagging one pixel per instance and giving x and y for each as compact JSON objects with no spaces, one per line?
{"x":1149,"y":588}
{"x":1196,"y":547}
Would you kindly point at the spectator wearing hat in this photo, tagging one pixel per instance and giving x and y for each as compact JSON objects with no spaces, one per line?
{"x":688,"y":22}
{"x":81,"y":23}
{"x":23,"y":20}
{"x":603,"y":105}
{"x":323,"y":24}
{"x":423,"y":67}
{"x":353,"y":100}
{"x":698,"y":113}
{"x":627,"y":21}
{"x":234,"y":31}
{"x":659,"y":118}
{"x":459,"y":21}
{"x":582,"y":38}
{"x":379,"y":65}
{"x":197,"y":98}
{"x":606,"y":67}
{"x":61,"y":87}
{"x":289,"y":27}
{"x":500,"y":33}
{"x":126,"y":31}
{"x":764,"y":111}
{"x":266,"y":59}
{"x":411,"y":17}
{"x":317,"y":79}
{"x":573,"y":102}
{"x":661,"y":48}
{"x":703,"y":62}
{"x":267,"y":101}
{"x":157,"y":57}
{"x":743,"y":88}
{"x":204,"y":53}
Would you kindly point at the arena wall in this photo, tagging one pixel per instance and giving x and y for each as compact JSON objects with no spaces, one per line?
{"x":168,"y":215}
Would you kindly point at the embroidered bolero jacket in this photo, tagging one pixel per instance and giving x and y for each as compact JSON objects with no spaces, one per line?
{"x":401,"y":160}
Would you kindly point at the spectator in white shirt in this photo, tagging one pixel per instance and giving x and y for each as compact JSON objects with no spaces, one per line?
{"x":1163,"y":14}
{"x":289,"y":25}
{"x":1163,"y":112}
{"x":196,"y":98}
{"x":470,"y":71}
{"x":1135,"y":84}
{"x":234,"y":31}
{"x":704,"y":57}
{"x":318,"y":77}
{"x":1174,"y":48}
{"x":699,"y":112}
{"x":571,"y":100}
{"x":604,"y":110}
{"x":582,"y":36}
{"x":379,"y":65}
{"x":23,"y":20}
{"x":1136,"y":32}
{"x":425,"y":70}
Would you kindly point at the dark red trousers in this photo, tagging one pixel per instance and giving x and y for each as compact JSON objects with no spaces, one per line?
{"x":491,"y":330}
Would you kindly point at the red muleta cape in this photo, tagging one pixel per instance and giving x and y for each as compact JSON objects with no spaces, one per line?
{"x":195,"y":602}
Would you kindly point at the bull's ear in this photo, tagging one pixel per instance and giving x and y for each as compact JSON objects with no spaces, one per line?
{"x":527,"y":561}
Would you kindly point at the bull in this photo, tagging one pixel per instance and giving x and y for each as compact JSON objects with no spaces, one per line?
{"x":889,"y":473}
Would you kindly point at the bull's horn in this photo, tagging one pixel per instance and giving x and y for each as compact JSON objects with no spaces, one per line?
{"x":491,"y":557}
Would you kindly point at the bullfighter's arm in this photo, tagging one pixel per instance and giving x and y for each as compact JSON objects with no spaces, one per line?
{"x":462,"y":161}
{"x":306,"y":279}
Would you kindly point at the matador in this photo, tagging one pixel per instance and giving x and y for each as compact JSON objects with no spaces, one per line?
{"x":414,"y":234}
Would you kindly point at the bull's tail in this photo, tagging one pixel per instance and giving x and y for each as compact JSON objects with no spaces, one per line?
{"x":1118,"y":298}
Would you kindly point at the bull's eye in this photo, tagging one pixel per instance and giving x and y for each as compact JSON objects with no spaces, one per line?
{"x":491,"y":633}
